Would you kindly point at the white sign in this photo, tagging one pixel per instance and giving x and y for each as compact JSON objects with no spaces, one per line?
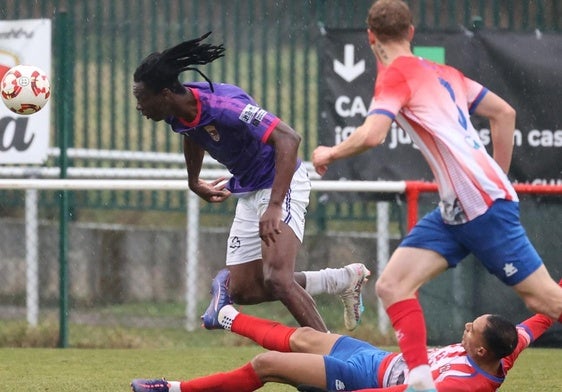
{"x":349,"y":70}
{"x":25,"y":139}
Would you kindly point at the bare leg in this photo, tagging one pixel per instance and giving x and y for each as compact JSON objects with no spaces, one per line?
{"x":291,"y":368}
{"x":541,"y":293}
{"x":278,"y":272}
{"x":300,"y":278}
{"x":273,"y":279}
{"x":304,"y":365}
{"x":406,"y":271}
{"x":247,"y":285}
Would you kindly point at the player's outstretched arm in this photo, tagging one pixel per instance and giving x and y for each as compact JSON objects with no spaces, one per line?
{"x":370,"y":134}
{"x":502,"y":125}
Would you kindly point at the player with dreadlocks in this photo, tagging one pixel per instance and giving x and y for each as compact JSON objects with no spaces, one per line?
{"x":272,"y":185}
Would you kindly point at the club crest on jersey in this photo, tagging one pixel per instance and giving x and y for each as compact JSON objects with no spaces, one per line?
{"x":212,"y":131}
{"x":252,"y":114}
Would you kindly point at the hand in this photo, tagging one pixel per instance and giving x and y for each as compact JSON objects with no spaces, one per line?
{"x":212,"y":192}
{"x":321,"y":158}
{"x":269,"y":224}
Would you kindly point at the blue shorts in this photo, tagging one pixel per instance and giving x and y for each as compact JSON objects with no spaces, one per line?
{"x":353,"y":364}
{"x":496,"y":238}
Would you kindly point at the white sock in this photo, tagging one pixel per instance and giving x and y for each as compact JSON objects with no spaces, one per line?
{"x":227,"y":314}
{"x":420,"y":378}
{"x":327,"y":280}
{"x":174,"y":386}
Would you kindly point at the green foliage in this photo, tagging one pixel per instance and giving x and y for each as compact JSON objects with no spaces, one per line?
{"x":20,"y":334}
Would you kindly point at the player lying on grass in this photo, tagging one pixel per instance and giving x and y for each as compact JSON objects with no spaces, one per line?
{"x":489,"y":347}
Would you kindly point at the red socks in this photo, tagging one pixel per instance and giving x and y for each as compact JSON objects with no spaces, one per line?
{"x":268,"y":334}
{"x":408,"y":322}
{"x":243,"y":379}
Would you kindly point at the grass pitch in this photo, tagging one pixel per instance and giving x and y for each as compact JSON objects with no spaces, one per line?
{"x":90,"y":365}
{"x":110,"y":370}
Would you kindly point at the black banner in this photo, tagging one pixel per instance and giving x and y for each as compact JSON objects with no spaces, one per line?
{"x":523,"y":68}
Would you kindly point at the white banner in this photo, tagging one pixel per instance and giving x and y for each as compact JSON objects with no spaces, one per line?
{"x":25,"y":139}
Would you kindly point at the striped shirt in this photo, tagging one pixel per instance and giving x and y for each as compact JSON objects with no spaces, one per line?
{"x":433,"y":103}
{"x":454,"y":370}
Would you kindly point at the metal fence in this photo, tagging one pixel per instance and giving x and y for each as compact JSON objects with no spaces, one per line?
{"x":272,"y":52}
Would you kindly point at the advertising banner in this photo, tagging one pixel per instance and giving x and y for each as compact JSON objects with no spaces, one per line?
{"x":25,"y":139}
{"x":523,"y":68}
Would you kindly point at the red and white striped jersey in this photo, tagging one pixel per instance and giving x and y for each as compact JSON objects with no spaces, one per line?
{"x":454,"y":370}
{"x":433,"y":104}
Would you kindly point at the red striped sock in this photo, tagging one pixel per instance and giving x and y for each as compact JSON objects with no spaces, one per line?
{"x":408,"y":322}
{"x":244,"y":379}
{"x":268,"y":334}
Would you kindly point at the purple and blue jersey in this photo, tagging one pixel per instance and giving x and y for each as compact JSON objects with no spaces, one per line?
{"x":234,"y":130}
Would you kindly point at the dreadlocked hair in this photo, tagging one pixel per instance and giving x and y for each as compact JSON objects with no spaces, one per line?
{"x":161,"y":70}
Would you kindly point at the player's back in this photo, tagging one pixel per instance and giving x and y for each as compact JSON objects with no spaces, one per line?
{"x":436,"y":102}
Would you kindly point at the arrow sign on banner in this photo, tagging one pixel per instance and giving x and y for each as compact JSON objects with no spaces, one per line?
{"x":349,"y":70}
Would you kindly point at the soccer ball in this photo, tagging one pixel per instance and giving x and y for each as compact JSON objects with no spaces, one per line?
{"x":25,"y":89}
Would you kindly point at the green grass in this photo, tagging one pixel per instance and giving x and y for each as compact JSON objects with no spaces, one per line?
{"x":111,"y":370}
{"x":16,"y":333}
{"x":102,"y":358}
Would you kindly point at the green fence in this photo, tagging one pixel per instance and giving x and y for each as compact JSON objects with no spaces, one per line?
{"x":272,"y":52}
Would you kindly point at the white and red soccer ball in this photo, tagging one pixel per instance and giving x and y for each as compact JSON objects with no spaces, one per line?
{"x":25,"y":89}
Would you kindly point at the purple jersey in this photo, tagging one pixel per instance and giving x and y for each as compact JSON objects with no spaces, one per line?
{"x":234,"y":130}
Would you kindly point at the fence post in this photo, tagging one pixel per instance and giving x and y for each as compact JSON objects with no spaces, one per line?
{"x":383,"y":254}
{"x":63,"y":123}
{"x":192,"y":261}
{"x":31,"y":254}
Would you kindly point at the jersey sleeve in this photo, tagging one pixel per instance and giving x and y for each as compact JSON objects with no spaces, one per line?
{"x":258,"y":121}
{"x":392,"y":92}
{"x":529,"y":330}
{"x":238,"y":111}
{"x":475,"y":92}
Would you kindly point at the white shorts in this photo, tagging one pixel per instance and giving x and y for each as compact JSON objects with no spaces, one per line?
{"x":244,"y":242}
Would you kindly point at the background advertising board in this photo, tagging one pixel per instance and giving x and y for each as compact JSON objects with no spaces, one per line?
{"x":522,"y":68}
{"x":25,"y":139}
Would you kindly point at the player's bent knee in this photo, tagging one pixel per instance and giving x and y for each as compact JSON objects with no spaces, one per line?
{"x":265,"y":364}
{"x":302,"y":339}
{"x":383,"y":288}
{"x":278,"y":287}
{"x":248,"y":296}
{"x":546,"y":306}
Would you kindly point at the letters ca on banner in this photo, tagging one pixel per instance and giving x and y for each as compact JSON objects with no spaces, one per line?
{"x":24,"y":139}
{"x":530,"y":82}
